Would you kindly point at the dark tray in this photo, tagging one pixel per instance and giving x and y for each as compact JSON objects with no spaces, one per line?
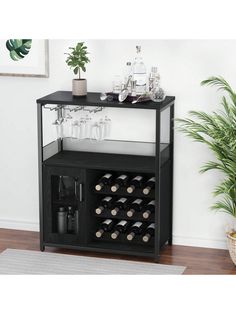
{"x":129,"y":98}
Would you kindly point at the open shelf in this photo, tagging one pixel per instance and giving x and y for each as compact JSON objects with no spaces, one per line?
{"x":115,"y":162}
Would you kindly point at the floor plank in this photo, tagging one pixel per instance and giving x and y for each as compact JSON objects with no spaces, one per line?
{"x":197,"y":260}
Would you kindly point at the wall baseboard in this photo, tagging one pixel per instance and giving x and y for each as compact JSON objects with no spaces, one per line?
{"x":177,"y":239}
{"x":220,"y":243}
{"x":19,"y":225}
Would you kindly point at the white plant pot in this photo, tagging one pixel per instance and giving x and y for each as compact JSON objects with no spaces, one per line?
{"x":79,"y":87}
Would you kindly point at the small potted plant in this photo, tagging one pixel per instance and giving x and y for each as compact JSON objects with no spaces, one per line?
{"x":76,"y":60}
{"x":218,"y":131}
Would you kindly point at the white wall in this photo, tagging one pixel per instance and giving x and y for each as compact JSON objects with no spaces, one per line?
{"x":182,"y":64}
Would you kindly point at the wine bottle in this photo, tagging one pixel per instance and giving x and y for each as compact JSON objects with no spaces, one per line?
{"x":105,"y":226}
{"x":121,"y":204}
{"x":135,"y":206}
{"x":121,"y":227}
{"x":105,"y":203}
{"x":70,"y":220}
{"x":150,"y":184}
{"x":149,"y":232}
{"x":104,"y":180}
{"x":119,"y":181}
{"x":150,"y":208}
{"x":136,"y":182}
{"x":136,"y":228}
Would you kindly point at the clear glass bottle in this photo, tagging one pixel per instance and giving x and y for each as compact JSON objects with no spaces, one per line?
{"x":156,"y":92}
{"x":154,"y":78}
{"x":139,"y":73}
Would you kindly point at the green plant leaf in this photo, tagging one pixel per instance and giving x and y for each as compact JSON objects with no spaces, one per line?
{"x":18,"y":48}
{"x":77,"y":58}
{"x":218,"y":131}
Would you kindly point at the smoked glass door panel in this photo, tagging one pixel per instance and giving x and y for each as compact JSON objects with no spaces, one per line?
{"x":63,"y":203}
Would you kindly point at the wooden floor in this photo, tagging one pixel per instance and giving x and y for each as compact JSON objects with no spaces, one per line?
{"x":197,"y":260}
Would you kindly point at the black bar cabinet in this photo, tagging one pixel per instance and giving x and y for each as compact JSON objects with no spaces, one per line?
{"x":80,"y":170}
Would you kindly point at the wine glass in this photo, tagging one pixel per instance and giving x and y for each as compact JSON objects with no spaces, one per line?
{"x":117,"y":84}
{"x":107,"y":127}
{"x":59,"y":128}
{"x":75,"y":129}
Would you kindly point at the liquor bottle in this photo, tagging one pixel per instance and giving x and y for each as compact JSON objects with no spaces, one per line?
{"x":135,"y":229}
{"x":70,"y":220}
{"x":105,"y":226}
{"x":135,"y":206}
{"x":104,"y":180}
{"x":149,"y":232}
{"x":121,"y":227}
{"x":150,"y":208}
{"x":105,"y":203}
{"x":61,"y":220}
{"x":139,"y":73}
{"x":149,"y":185}
{"x":119,"y":181}
{"x":121,"y":204}
{"x":136,"y":182}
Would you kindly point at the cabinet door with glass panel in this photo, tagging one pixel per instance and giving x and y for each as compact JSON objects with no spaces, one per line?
{"x":63,"y":204}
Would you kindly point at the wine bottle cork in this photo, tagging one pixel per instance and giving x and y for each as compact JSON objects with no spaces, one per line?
{"x":146,"y":191}
{"x":146,"y":237}
{"x":130,"y":212}
{"x":130,"y":236}
{"x":114,"y":211}
{"x":114,"y":235}
{"x":98,"y":187}
{"x":99,"y":233}
{"x":114,"y":188}
{"x":146,"y":214}
{"x":99,"y":210}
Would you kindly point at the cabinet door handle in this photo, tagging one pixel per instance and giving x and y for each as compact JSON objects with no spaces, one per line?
{"x":81,"y":192}
{"x":76,"y":187}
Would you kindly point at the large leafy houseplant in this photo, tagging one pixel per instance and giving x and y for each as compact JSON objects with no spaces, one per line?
{"x":218,"y":131}
{"x":77,"y":60}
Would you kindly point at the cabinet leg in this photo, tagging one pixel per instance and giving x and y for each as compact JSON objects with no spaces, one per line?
{"x":157,"y":259}
{"x":42,"y":248}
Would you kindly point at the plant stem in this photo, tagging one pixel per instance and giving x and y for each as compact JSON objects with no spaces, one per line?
{"x":79,"y":73}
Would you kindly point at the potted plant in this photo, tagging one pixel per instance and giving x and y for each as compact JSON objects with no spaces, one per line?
{"x":218,"y":131}
{"x":76,"y":60}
